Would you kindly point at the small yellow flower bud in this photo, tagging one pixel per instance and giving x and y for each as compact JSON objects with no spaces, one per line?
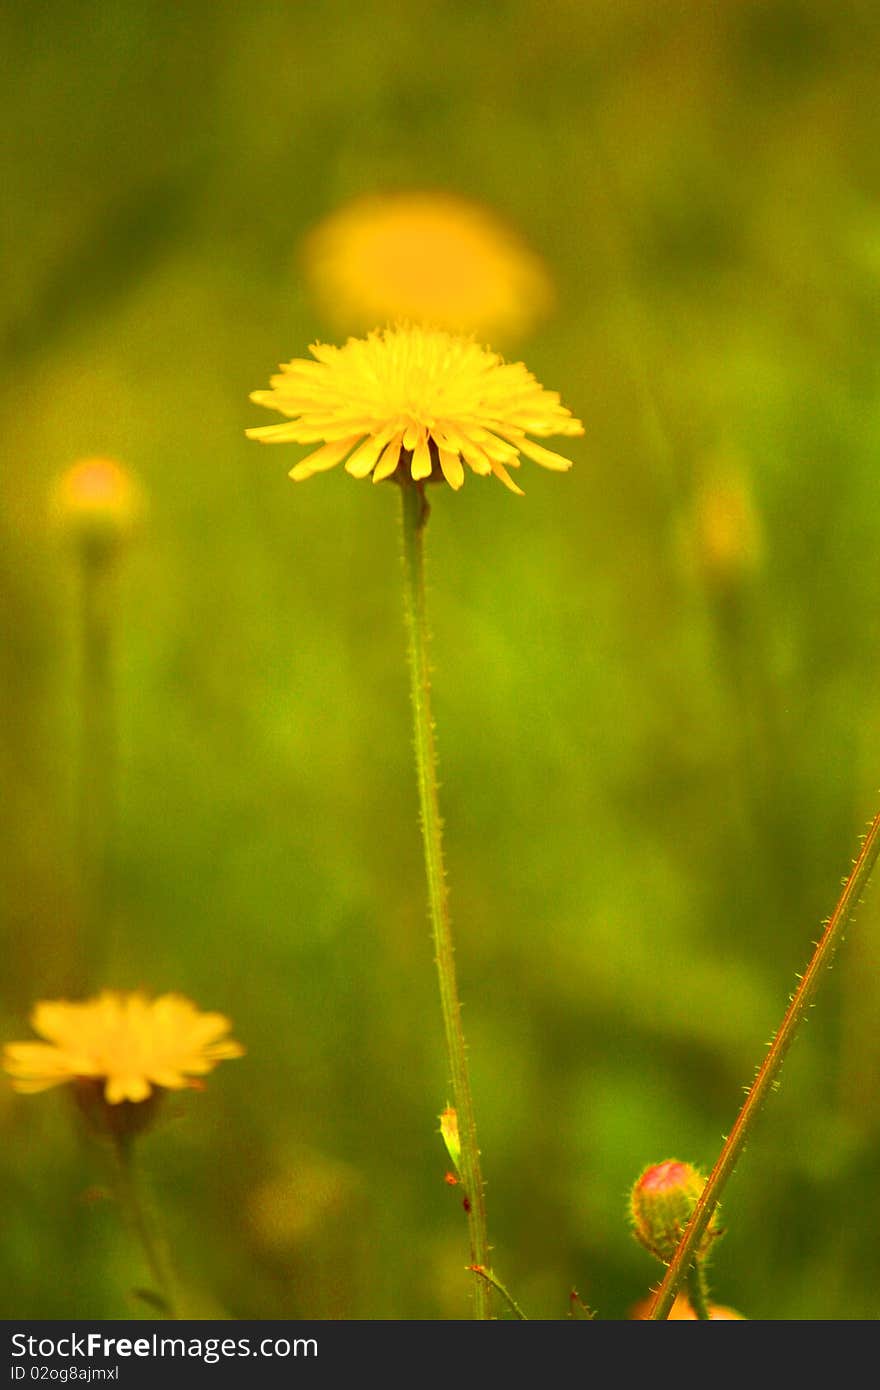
{"x":661,"y":1205}
{"x":728,"y":529}
{"x":449,"y":1131}
{"x":97,"y":504}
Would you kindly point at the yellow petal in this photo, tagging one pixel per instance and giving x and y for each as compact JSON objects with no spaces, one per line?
{"x":363,"y":459}
{"x":452,"y":469}
{"x":223,"y":1051}
{"x":389,"y":460}
{"x":278,"y":434}
{"x":326,"y":457}
{"x":120,"y":1088}
{"x":496,"y":448}
{"x":476,"y":458}
{"x":546,"y":457}
{"x":324,"y":352}
{"x":501,"y":472}
{"x":422,"y":466}
{"x":31,"y":1088}
{"x":411,"y":436}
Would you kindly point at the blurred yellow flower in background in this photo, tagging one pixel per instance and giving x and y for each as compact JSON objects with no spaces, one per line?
{"x":727,"y":528}
{"x":431,"y":257}
{"x":719,"y":537}
{"x":414,"y":399}
{"x":97,"y":501}
{"x":130,"y":1043}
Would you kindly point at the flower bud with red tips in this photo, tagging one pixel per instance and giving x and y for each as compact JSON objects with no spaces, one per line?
{"x":661,"y":1205}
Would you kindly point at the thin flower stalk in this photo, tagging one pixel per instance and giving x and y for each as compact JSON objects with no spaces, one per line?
{"x":502,"y":1289}
{"x":143,"y":1226}
{"x":415,"y":514}
{"x":96,"y":506}
{"x":97,"y":765}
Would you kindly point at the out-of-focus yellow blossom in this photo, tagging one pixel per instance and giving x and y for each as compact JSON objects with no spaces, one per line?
{"x":430,"y":257}
{"x":727,"y":528}
{"x":96,"y":502}
{"x":128,"y":1043}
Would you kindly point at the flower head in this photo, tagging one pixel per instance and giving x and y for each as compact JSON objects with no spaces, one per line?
{"x":661,"y":1205}
{"x":97,"y":502}
{"x":432,"y":257}
{"x":415,"y":402}
{"x":126,"y":1042}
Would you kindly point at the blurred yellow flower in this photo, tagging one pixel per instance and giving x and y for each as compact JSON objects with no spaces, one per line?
{"x":128,"y":1042}
{"x":431,"y":257}
{"x":727,"y":528}
{"x":97,"y":501}
{"x":416,"y":402}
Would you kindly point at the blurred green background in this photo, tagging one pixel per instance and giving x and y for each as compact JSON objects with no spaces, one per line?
{"x":656,"y":677}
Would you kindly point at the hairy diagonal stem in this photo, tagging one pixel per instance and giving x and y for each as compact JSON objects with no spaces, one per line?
{"x":768,"y":1072}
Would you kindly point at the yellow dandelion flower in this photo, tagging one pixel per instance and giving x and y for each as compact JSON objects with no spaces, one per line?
{"x":127,"y":1042}
{"x":431,"y":257}
{"x":413,"y":402}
